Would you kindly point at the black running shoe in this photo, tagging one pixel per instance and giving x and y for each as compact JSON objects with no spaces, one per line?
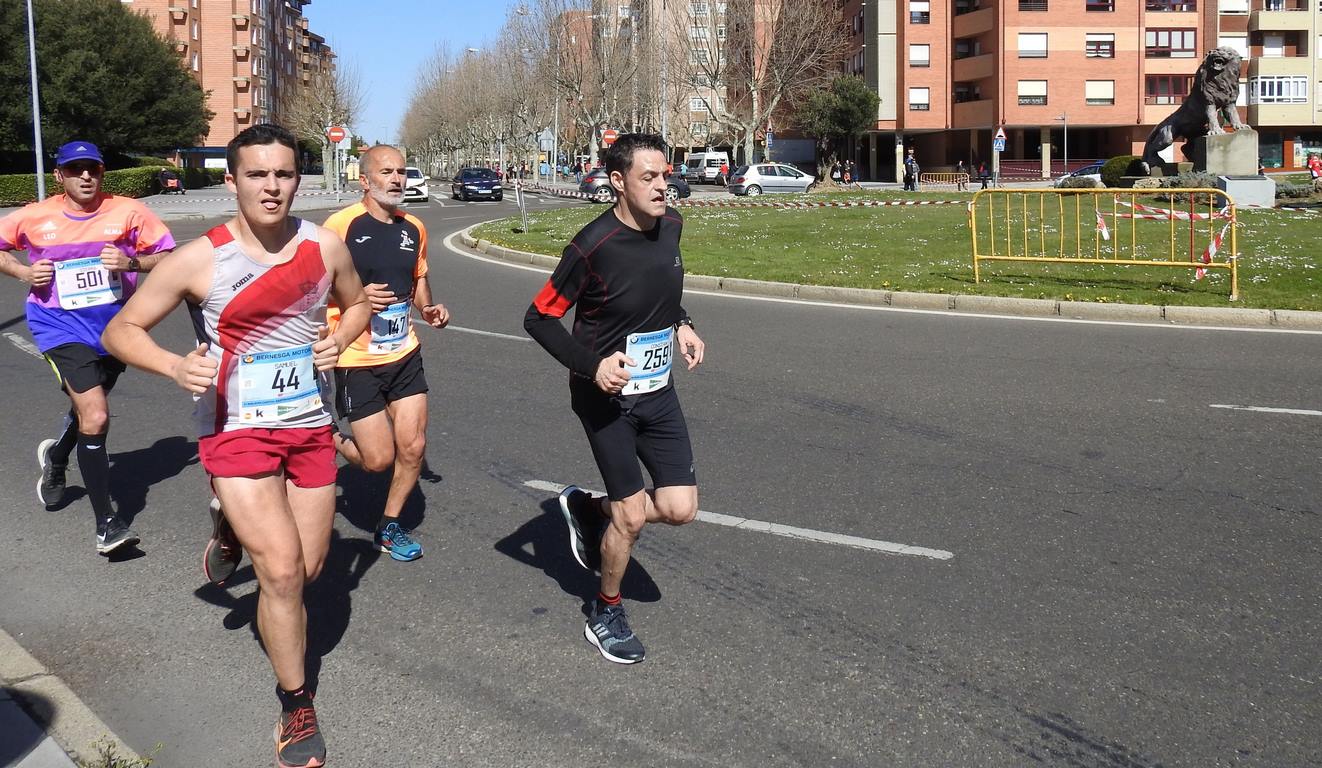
{"x":50,"y":488}
{"x":608,"y":629}
{"x":223,"y":554}
{"x":298,"y":742}
{"x":585,"y":526}
{"x":112,"y":534}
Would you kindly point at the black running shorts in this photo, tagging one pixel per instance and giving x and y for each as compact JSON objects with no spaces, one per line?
{"x":624,"y":430}
{"x":79,"y":368}
{"x":361,"y":392}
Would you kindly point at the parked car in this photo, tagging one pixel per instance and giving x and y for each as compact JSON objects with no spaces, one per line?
{"x":479,"y":183}
{"x":597,"y":186}
{"x":753,"y":180}
{"x":1092,"y":171}
{"x":704,"y":167}
{"x":415,"y":184}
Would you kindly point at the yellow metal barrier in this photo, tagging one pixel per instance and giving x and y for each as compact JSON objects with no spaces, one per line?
{"x":1182,"y":228}
{"x":957,"y":180}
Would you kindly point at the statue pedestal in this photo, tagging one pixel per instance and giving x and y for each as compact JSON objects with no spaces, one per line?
{"x":1257,"y":191}
{"x":1228,"y":154}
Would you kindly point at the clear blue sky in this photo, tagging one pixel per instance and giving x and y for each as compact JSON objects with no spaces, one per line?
{"x":389,"y":41}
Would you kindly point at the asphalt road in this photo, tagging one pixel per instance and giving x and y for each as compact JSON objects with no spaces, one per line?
{"x":1133,"y":579}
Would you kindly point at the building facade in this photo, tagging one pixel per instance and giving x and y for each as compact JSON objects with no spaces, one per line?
{"x":249,"y":55}
{"x":1071,"y":81}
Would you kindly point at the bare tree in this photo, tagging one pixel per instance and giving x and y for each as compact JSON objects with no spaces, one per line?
{"x":748,"y":61}
{"x":333,"y":96}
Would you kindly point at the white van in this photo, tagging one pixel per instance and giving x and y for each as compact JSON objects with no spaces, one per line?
{"x":704,"y":167}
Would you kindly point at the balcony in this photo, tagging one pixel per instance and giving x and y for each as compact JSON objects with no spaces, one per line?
{"x":1282,"y":20}
{"x":972,"y":114}
{"x":973,"y":68}
{"x":1301,"y":66}
{"x":241,"y":82}
{"x":241,"y":51}
{"x":240,"y":20}
{"x":975,"y":23}
{"x":178,"y":12}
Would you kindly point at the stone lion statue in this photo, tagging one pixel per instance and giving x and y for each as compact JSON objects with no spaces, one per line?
{"x":1215,"y":89}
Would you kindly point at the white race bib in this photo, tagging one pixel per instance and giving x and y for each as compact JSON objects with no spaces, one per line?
{"x":85,"y":283}
{"x":277,"y":385}
{"x":652,"y":353}
{"x":390,"y":329}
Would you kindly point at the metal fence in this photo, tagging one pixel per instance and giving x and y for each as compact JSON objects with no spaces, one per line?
{"x":1181,"y":228}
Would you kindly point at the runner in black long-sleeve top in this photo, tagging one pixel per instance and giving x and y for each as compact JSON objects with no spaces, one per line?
{"x":625,"y":273}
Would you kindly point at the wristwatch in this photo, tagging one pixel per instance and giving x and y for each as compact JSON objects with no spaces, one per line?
{"x":135,"y":265}
{"x":686,"y":321}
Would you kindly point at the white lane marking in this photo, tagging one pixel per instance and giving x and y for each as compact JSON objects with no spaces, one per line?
{"x":447,"y":242}
{"x":1264,"y":409}
{"x":788,"y":531}
{"x":461,"y":329}
{"x":23,"y":344}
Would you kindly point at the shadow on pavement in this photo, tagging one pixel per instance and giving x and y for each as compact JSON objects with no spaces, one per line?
{"x":18,"y":734}
{"x":328,"y":599}
{"x":543,"y":542}
{"x":135,"y":472}
{"x":363,"y":495}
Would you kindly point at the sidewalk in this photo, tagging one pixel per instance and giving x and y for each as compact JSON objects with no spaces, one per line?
{"x":43,"y":724}
{"x":211,"y":202}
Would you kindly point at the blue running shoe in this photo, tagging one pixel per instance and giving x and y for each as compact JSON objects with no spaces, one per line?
{"x":397,"y":541}
{"x":608,"y":630}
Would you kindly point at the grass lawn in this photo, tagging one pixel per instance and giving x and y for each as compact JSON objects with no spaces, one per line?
{"x":927,"y":248}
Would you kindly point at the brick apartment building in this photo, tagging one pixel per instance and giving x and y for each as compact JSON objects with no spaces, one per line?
{"x":248,"y":54}
{"x":1090,"y":76}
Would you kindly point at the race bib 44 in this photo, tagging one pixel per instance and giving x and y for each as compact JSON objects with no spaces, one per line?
{"x":276,"y":386}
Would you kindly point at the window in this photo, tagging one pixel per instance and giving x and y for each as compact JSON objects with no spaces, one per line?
{"x":1099,"y":45}
{"x":720,"y":31}
{"x":1104,"y":6}
{"x":194,"y":29}
{"x":197,"y":63}
{"x":1032,"y":93}
{"x":1162,"y":6}
{"x":1032,"y":5}
{"x":920,"y":12}
{"x":920,"y":99}
{"x":698,"y":33}
{"x":1273,"y":5}
{"x":696,"y":104}
{"x":1240,"y":44}
{"x":1170,"y":44}
{"x":1273,"y":46}
{"x":1166,"y":89}
{"x":699,"y":57}
{"x":920,"y":55}
{"x":1278,"y":90}
{"x":625,"y":12}
{"x":1032,"y":45}
{"x":1099,"y":93}
{"x":1233,"y":6}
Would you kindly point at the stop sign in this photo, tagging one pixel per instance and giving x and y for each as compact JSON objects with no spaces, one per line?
{"x":609,"y":136}
{"x":336,"y":134}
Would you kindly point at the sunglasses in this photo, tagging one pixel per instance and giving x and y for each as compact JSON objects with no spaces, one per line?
{"x":78,"y":168}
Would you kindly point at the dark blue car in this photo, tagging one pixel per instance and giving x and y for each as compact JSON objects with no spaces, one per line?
{"x":476,"y":184}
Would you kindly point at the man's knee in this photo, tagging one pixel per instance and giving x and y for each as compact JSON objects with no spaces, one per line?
{"x":630,"y":515}
{"x":283,"y":576}
{"x":409,"y":449}
{"x":677,"y":506}
{"x":93,"y":418}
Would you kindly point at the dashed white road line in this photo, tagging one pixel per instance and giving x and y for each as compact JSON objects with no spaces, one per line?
{"x":789,"y":531}
{"x":511,"y":337}
{"x":23,"y":344}
{"x":1265,"y":409}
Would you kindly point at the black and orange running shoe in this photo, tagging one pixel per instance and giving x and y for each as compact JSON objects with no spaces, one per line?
{"x":298,"y":742}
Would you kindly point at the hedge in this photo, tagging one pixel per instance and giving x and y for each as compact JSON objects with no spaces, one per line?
{"x":1116,"y":167}
{"x":20,"y":189}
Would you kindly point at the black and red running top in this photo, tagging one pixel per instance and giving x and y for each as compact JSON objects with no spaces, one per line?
{"x":622,"y":280}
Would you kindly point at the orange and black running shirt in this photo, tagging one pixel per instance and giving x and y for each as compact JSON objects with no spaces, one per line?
{"x":390,"y":252}
{"x":621,"y":280}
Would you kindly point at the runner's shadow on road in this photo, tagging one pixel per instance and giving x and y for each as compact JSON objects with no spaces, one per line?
{"x":22,"y":735}
{"x":543,"y":542}
{"x":363,"y":496}
{"x":135,"y":472}
{"x":328,"y":599}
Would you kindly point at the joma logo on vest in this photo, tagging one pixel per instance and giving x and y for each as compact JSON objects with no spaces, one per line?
{"x":241,"y":282}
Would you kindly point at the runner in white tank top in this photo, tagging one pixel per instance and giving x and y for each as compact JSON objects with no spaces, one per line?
{"x":258,"y":288}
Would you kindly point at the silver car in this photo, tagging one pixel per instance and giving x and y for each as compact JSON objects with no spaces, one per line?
{"x":762,"y":178}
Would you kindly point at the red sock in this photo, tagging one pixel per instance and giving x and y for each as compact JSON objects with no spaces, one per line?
{"x":604,"y":599}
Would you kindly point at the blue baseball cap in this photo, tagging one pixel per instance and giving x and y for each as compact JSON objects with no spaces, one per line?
{"x":78,"y":150}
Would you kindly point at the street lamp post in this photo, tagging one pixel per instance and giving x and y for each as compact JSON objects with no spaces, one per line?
{"x":36,"y":108}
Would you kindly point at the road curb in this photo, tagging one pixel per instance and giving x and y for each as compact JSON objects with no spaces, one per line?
{"x":1227,"y":317}
{"x":53,"y":706}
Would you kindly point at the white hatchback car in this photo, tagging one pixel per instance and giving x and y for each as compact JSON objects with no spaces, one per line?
{"x":415,"y":184}
{"x":768,"y":177}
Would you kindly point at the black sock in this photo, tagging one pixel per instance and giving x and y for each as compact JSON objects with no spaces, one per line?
{"x":94,"y":464}
{"x":64,"y":445}
{"x":292,"y":700}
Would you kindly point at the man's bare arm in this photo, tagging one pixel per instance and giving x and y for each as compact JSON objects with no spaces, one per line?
{"x":347,"y":293}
